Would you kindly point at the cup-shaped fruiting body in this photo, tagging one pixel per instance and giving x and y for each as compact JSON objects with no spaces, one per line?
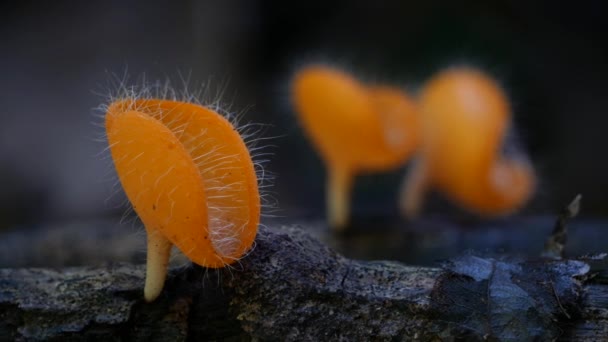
{"x":465,"y":116}
{"x":355,"y":128}
{"x":190,"y":178}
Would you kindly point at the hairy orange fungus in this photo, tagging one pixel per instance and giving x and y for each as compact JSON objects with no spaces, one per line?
{"x":189,"y":177}
{"x":465,"y":116}
{"x":355,"y":128}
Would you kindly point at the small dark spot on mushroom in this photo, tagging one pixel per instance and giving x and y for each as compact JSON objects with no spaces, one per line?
{"x":153,"y":206}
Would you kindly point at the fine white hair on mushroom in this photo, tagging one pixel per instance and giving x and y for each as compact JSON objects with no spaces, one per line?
{"x":209,"y":156}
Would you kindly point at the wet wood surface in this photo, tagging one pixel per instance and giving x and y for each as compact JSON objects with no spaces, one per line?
{"x":295,"y":287}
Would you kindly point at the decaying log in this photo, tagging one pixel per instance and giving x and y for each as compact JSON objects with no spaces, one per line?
{"x":292,"y":287}
{"x":422,"y":242}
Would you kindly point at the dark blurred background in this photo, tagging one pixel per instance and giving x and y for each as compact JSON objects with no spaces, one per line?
{"x":57,"y":56}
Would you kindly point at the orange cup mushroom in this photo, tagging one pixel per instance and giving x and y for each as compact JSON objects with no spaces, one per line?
{"x":355,"y":128}
{"x":190,"y":178}
{"x":465,"y":116}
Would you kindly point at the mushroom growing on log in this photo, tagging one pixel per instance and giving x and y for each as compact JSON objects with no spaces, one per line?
{"x":292,"y":287}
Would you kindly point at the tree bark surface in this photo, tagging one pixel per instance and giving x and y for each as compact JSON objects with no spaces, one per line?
{"x":292,"y":287}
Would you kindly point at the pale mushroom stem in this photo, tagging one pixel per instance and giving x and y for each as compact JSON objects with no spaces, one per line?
{"x":339,"y":186}
{"x":413,"y":189}
{"x":159,"y":251}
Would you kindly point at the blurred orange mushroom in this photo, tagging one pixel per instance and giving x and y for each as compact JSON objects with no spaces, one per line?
{"x":464,"y":117}
{"x":189,"y":177}
{"x":355,"y":128}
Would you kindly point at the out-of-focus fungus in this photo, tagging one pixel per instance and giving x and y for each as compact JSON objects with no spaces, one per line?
{"x":189,"y":177}
{"x":464,"y":117}
{"x":355,"y":128}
